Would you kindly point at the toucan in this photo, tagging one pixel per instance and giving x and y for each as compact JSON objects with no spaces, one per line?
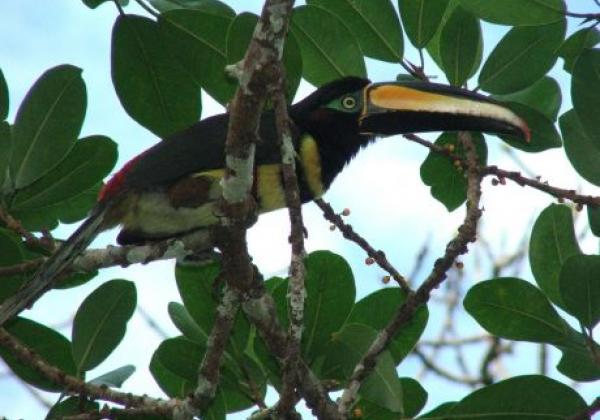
{"x":173,"y":187}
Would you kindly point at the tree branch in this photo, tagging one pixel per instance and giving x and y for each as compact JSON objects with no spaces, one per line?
{"x":75,"y":386}
{"x":191,"y":244}
{"x":588,"y":412}
{"x":208,"y":373}
{"x":446,"y":374}
{"x":261,"y":311}
{"x":123,"y":256}
{"x":349,"y":233}
{"x":502,"y":174}
{"x":297,"y":271}
{"x":457,"y":246}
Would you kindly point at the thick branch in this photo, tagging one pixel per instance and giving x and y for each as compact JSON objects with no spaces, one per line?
{"x":261,"y":311}
{"x":24,"y":297}
{"x":208,"y":373}
{"x":257,"y":73}
{"x":73,"y":385}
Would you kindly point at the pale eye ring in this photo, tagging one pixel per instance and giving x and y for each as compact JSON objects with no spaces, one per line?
{"x":349,"y":102}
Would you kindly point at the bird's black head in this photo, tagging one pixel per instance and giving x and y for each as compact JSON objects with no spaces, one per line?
{"x":345,"y":115}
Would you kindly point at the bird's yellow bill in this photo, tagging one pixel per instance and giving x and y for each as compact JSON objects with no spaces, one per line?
{"x":395,"y":108}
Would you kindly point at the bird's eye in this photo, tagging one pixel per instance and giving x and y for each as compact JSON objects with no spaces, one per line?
{"x":349,"y":102}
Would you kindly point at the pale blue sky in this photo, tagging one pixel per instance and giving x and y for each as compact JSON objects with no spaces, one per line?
{"x":394,"y":211}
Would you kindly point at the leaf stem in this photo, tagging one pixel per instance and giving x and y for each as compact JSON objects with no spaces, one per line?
{"x":147,"y":8}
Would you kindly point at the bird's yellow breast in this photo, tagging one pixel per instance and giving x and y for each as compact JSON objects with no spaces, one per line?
{"x":311,"y":165}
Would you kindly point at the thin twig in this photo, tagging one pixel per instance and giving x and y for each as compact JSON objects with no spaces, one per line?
{"x":151,"y":322}
{"x":588,"y":412}
{"x":455,"y":342}
{"x":119,"y":7}
{"x":586,"y":16}
{"x":296,"y":290}
{"x":349,"y":233}
{"x":438,"y":370}
{"x":502,"y":174}
{"x":30,"y":239}
{"x":21,"y":268}
{"x":457,"y":246}
{"x":147,"y":8}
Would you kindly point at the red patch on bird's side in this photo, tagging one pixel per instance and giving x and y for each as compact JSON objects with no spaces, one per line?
{"x":114,"y":184}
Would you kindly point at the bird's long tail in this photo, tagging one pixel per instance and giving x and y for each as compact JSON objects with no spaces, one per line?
{"x":46,"y":275}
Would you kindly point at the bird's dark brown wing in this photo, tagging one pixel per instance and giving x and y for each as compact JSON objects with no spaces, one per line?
{"x":197,"y":149}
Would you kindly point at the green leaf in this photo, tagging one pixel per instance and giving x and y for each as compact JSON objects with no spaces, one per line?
{"x":544,"y":96}
{"x":3,"y":97}
{"x":92,"y":4}
{"x":382,"y":386}
{"x":517,"y":12}
{"x":75,"y":279}
{"x":525,"y":47}
{"x":67,"y":211}
{"x":235,"y":387}
{"x":76,"y":208}
{"x":170,"y":383}
{"x":580,"y":149}
{"x":198,"y":39}
{"x":414,"y":396}
{"x":440,"y":412}
{"x":185,"y":323}
{"x":238,"y":38}
{"x":182,"y":319}
{"x":433,"y":46}
{"x":515,"y":309}
{"x":181,"y":357}
{"x":577,"y":43}
{"x":330,"y":294}
{"x":552,"y":241}
{"x":211,"y":6}
{"x":329,"y":50}
{"x":12,"y":254}
{"x":376,"y":309}
{"x":579,"y":363}
{"x":151,"y":85}
{"x":448,"y":183}
{"x":544,"y":134}
{"x":421,"y":19}
{"x":525,"y":397}
{"x":374,"y":23}
{"x":100,"y":323}
{"x":460,"y":43}
{"x":594,"y":218}
{"x":85,"y":166}
{"x":70,"y":407}
{"x":579,"y":283}
{"x":47,"y":123}
{"x":50,"y":345}
{"x":115,"y":377}
{"x":199,"y":296}
{"x":585,"y":84}
{"x":5,"y":150}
